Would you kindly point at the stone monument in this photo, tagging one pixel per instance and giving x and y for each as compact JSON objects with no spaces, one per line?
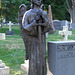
{"x":57,"y":24}
{"x":34,"y":23}
{"x":10,"y":32}
{"x":73,"y":25}
{"x":4,"y":70}
{"x":2,"y":36}
{"x":61,"y":57}
{"x":65,"y":33}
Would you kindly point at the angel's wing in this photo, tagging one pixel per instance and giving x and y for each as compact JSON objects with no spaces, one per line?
{"x":22,"y":10}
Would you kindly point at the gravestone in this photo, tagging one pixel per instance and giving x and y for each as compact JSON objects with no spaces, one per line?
{"x":2,"y":36}
{"x":65,"y":33}
{"x":57,"y":24}
{"x":73,"y":25}
{"x":64,"y":23}
{"x":61,"y":57}
{"x":10,"y":32}
{"x":4,"y":70}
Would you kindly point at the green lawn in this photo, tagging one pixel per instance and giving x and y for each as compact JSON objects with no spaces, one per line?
{"x":12,"y":50}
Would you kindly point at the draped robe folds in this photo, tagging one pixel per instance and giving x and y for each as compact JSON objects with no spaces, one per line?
{"x":32,"y":42}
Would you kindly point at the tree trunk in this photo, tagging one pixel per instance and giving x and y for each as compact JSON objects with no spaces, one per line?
{"x":73,"y":11}
{"x":71,"y":15}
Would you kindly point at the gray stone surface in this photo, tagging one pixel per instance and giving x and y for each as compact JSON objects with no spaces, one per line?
{"x":10,"y":32}
{"x":57,"y":24}
{"x":2,"y":36}
{"x":61,"y":57}
{"x":4,"y":70}
{"x":73,"y":25}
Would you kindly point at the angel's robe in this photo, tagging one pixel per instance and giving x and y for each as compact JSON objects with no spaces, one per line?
{"x":32,"y":42}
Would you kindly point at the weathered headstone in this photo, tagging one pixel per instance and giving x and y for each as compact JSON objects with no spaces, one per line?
{"x":2,"y":36}
{"x":64,"y":23}
{"x":4,"y":70}
{"x":73,"y":25}
{"x":65,"y":33}
{"x":10,"y":32}
{"x":61,"y":57}
{"x":57,"y":24}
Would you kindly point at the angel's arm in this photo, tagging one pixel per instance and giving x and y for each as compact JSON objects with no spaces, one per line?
{"x":47,"y":25}
{"x":28,"y":27}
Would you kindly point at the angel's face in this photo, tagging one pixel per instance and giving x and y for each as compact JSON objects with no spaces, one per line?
{"x":37,"y":2}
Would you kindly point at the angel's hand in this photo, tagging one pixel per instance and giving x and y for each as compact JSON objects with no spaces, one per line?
{"x":41,"y":24}
{"x":35,"y":23}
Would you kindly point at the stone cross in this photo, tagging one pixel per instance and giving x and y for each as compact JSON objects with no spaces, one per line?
{"x":65,"y":33}
{"x":10,"y":25}
{"x":3,"y":20}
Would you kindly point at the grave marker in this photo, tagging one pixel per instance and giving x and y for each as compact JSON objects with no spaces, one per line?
{"x":2,"y":36}
{"x":10,"y":32}
{"x":61,"y":57}
{"x":65,"y":33}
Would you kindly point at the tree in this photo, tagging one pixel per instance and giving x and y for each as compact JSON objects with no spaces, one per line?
{"x":2,"y":9}
{"x":58,"y":9}
{"x":71,"y":9}
{"x":12,"y":8}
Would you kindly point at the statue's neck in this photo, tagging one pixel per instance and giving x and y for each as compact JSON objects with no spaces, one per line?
{"x":36,"y":7}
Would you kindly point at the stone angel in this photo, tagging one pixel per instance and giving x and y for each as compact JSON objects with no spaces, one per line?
{"x":34,"y":23}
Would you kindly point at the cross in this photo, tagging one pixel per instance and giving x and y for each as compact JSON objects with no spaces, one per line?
{"x":9,"y":25}
{"x":65,"y":33}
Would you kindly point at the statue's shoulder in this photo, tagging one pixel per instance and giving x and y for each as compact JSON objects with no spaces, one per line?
{"x":27,"y":13}
{"x":44,"y":12}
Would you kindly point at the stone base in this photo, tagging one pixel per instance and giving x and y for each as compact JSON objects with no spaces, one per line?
{"x":10,"y":32}
{"x":61,"y":57}
{"x":2,"y":36}
{"x":4,"y":71}
{"x":25,"y":68}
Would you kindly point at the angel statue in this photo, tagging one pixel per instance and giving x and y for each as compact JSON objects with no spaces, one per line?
{"x":34,"y":23}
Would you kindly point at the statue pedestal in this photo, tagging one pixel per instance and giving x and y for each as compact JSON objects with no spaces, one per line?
{"x":10,"y":32}
{"x":25,"y":66}
{"x":61,"y":57}
{"x":2,"y":36}
{"x":4,"y":70}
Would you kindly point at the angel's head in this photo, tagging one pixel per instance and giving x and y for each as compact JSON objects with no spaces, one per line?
{"x":37,"y":2}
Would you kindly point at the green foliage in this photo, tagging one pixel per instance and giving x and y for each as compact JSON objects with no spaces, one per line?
{"x":12,"y":7}
{"x":12,"y":50}
{"x":58,"y":9}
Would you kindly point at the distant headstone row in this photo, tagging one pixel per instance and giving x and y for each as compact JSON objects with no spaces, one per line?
{"x":59,"y":24}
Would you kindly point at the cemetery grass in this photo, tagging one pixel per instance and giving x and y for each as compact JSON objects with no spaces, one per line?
{"x":12,"y":50}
